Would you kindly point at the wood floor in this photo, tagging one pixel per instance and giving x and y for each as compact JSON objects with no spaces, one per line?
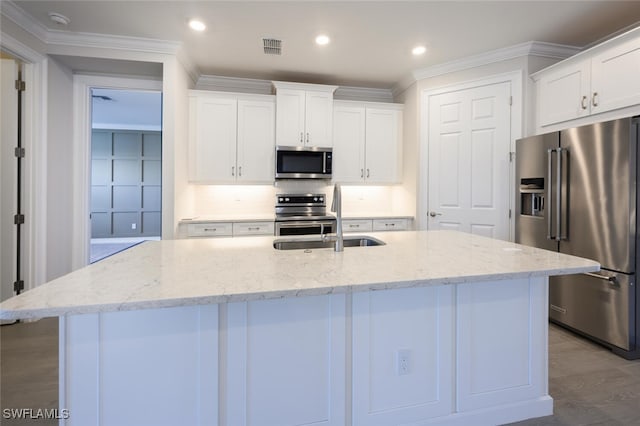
{"x":589,"y":384}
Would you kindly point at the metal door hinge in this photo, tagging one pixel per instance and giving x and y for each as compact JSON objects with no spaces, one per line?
{"x":18,"y":219}
{"x":510,"y":100}
{"x":512,"y":155}
{"x":19,"y":152}
{"x":21,"y":85}
{"x":18,"y":286}
{"x":509,"y":213}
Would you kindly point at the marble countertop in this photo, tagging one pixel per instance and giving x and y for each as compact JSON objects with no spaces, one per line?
{"x":169,"y":273}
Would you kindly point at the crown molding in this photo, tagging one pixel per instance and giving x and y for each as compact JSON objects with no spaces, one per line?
{"x":25,"y":21}
{"x":363,"y":94}
{"x":234,"y":84}
{"x":531,"y":48}
{"x":264,"y":87}
{"x":92,"y":40}
{"x":81,"y":39}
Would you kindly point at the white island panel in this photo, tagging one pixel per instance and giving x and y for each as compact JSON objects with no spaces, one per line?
{"x":402,"y":355}
{"x":152,"y":367}
{"x":286,"y":362}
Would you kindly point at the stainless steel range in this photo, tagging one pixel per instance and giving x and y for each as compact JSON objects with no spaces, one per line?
{"x":303,"y":214}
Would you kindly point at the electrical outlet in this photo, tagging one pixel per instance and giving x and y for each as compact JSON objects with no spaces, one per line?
{"x":133,"y":226}
{"x":403,"y":362}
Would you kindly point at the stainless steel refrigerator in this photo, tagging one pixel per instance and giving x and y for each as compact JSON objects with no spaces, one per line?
{"x":576,"y":193}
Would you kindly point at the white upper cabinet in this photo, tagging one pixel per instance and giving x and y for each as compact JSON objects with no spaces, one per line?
{"x":563,"y":93}
{"x":231,"y":138}
{"x":367,"y":141}
{"x":304,"y":114}
{"x":615,"y":77}
{"x":602,"y":79}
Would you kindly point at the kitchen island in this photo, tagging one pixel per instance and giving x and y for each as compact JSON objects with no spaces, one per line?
{"x":435,"y":327}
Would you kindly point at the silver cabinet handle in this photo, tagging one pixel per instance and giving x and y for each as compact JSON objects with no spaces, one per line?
{"x":434,"y":214}
{"x":233,"y":170}
{"x":307,"y":137}
{"x":240,"y":171}
{"x":301,"y":137}
{"x":361,"y":173}
{"x":210,"y":229}
{"x":389,"y":224}
{"x":594,"y":99}
{"x":354,"y":226}
{"x":367,"y":173}
{"x":583,"y":103}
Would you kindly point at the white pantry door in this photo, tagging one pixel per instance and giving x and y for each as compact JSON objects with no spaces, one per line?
{"x":468,"y":175}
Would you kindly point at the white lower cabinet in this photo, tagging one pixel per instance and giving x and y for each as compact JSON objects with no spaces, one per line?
{"x":357,"y":225}
{"x":213,"y":229}
{"x":370,"y":225}
{"x":253,"y":228}
{"x":390,"y":224}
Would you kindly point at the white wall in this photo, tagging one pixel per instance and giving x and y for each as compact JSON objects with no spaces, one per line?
{"x":60,"y":182}
{"x":177,"y":194}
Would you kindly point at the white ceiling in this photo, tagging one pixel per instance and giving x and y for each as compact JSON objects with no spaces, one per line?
{"x":370,"y":41}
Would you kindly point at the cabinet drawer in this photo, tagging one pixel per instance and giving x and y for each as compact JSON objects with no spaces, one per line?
{"x":213,"y":229}
{"x":356,"y":225}
{"x":390,"y":225}
{"x":253,"y":228}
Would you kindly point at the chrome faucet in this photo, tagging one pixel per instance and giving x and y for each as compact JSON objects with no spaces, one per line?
{"x":336,"y":207}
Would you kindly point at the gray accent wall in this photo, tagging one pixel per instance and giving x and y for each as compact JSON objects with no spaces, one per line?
{"x":125,"y":183}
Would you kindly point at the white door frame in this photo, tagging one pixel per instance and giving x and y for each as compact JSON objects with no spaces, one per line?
{"x":34,"y":140}
{"x":82,"y":85}
{"x":515,"y":78}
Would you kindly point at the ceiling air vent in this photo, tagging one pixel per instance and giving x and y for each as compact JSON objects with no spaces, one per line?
{"x":272,"y":46}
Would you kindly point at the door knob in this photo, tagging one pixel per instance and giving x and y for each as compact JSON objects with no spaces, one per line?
{"x":434,"y":214}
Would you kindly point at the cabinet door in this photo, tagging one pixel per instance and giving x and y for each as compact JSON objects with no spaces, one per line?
{"x":348,"y":144}
{"x":383,"y":146}
{"x":319,"y":119}
{"x":212,"y":141}
{"x":390,"y":225}
{"x":615,"y":77}
{"x":256,"y":141}
{"x":357,"y":225}
{"x":564,"y":94}
{"x":290,"y":105}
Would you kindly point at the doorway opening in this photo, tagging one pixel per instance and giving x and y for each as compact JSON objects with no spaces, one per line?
{"x":126,"y":165}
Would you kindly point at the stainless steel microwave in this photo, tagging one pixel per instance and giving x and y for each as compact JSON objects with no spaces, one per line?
{"x":301,"y":162}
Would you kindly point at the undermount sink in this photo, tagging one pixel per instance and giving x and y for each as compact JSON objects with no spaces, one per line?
{"x":351,"y":241}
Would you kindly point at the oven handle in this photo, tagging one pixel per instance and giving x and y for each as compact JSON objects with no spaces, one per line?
{"x":304,"y":224}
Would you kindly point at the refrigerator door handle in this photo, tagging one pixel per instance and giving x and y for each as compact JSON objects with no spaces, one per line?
{"x":559,"y":197}
{"x":612,"y":280}
{"x":549,"y":226}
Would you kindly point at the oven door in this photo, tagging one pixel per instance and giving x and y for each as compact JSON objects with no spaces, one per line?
{"x":305,"y":227}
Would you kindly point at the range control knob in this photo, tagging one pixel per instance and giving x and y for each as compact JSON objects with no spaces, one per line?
{"x":281,"y":199}
{"x":286,"y":199}
{"x":315,"y":198}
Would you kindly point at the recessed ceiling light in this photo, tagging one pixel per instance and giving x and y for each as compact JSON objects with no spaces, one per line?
{"x":59,"y":18}
{"x":197,"y":25}
{"x":322,"y":40}
{"x":418,"y":50}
